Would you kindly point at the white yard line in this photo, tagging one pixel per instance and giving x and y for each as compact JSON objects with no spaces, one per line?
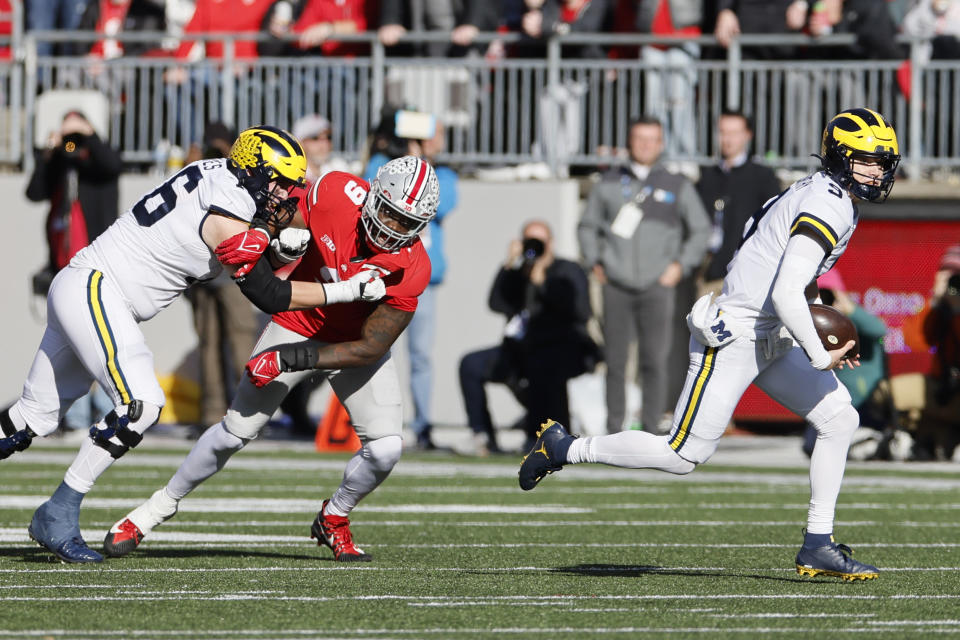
{"x":404,"y":598}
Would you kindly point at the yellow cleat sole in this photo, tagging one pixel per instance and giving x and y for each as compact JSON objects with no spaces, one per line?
{"x":846,"y":577}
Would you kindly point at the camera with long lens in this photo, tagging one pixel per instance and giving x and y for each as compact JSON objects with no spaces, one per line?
{"x":950,"y":303}
{"x":533,"y":249}
{"x":72,"y":145}
{"x":953,"y":286}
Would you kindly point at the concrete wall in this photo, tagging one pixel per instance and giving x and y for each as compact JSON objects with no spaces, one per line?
{"x":489,"y":215}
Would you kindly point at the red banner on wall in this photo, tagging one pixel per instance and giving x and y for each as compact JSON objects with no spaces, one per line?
{"x":888,"y":269}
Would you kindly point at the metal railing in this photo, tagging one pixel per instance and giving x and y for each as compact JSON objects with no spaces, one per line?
{"x":548,"y":107}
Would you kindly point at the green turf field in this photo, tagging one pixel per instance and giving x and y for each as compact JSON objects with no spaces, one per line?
{"x":460,"y":552}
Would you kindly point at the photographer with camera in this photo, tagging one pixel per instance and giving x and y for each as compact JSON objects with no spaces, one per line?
{"x":78,"y":173}
{"x":547,"y":303}
{"x":937,"y":328}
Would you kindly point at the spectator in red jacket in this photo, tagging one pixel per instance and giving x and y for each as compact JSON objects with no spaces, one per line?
{"x":225,"y":16}
{"x":314,"y":22}
{"x":324,"y":18}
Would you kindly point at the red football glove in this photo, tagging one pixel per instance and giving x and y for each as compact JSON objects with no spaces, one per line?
{"x":263,"y":368}
{"x":244,"y":247}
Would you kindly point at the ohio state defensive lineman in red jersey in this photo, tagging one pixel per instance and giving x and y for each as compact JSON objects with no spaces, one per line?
{"x":354,"y":228}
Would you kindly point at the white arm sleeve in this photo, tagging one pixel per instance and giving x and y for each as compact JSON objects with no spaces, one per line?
{"x":799,"y":266}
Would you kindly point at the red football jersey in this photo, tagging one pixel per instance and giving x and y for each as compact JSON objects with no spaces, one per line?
{"x":332,"y":214}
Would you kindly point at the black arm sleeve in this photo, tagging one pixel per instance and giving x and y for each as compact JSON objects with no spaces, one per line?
{"x":266,"y":291}
{"x":297,"y":358}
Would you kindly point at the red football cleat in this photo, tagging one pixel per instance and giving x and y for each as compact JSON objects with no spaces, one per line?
{"x":334,"y":531}
{"x":122,"y":538}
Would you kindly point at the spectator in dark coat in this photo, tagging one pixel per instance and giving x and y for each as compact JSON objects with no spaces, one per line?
{"x":77,"y":172}
{"x":732,"y":190}
{"x":547,"y":303}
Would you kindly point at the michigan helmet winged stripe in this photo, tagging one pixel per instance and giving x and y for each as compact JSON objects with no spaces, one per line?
{"x":864,"y":130}
{"x":868,"y":117}
{"x":279,"y":143}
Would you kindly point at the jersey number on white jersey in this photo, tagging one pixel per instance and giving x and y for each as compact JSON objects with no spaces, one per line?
{"x":190,"y":177}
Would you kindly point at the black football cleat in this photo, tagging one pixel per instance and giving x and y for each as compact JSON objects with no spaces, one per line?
{"x":548,"y":454}
{"x":834,"y":559}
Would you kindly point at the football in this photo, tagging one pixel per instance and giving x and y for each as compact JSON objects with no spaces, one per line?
{"x":834,"y":328}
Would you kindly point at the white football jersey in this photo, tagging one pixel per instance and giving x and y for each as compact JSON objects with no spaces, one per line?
{"x":154,"y":250}
{"x":814,"y":204}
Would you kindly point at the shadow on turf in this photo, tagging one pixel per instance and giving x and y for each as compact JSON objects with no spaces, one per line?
{"x":33,"y":554}
{"x":226,"y":553}
{"x":636,"y":571}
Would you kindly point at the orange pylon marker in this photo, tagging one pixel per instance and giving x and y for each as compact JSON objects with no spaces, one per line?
{"x":335,"y":433}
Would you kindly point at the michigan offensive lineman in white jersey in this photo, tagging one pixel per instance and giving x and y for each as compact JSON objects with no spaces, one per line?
{"x":760,"y":331}
{"x":132,"y":271}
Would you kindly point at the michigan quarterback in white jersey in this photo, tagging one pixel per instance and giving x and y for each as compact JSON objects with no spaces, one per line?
{"x":760,"y":330}
{"x":135,"y":269}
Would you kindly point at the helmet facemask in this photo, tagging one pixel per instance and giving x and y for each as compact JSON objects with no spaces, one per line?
{"x":402,"y":201}
{"x":868,"y":190}
{"x":274,"y":208}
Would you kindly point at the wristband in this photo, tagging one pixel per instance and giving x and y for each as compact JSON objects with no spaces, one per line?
{"x":337,"y":292}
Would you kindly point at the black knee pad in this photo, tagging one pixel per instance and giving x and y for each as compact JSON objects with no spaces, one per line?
{"x":119,"y":427}
{"x":16,"y":440}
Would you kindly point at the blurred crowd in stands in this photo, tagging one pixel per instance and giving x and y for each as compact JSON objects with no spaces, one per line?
{"x":310,"y":27}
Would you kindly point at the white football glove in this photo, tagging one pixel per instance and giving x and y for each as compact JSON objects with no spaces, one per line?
{"x":366,"y":286}
{"x":290,"y":245}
